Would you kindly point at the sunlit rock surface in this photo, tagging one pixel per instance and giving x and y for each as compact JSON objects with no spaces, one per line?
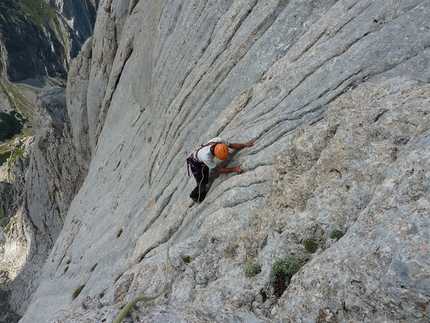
{"x":336,"y":95}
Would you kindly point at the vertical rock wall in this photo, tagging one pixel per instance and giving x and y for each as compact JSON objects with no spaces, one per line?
{"x":43,"y":186}
{"x":160,"y":78}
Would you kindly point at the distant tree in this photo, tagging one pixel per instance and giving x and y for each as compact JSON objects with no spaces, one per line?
{"x":9,"y":125}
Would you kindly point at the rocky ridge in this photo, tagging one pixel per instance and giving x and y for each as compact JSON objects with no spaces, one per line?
{"x":336,"y":94}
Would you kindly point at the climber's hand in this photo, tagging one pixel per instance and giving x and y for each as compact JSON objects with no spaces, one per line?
{"x":239,"y":169}
{"x":249,"y":143}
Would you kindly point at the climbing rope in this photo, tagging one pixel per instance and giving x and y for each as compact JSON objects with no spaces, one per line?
{"x":141,"y":298}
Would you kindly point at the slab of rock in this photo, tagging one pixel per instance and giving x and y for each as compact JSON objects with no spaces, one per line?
{"x":163,"y":79}
{"x":368,"y":178}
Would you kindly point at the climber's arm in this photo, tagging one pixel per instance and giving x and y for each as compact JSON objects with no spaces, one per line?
{"x":222,"y":170}
{"x":241,"y":145}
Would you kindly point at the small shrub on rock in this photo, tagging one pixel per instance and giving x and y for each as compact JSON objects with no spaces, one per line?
{"x":283,"y":270}
{"x":186,"y":259}
{"x":252,"y":269}
{"x":310,"y":245}
{"x":336,"y":234}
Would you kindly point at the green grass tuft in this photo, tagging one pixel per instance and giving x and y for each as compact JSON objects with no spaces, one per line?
{"x":310,"y":245}
{"x":336,"y":234}
{"x":186,"y":259}
{"x":252,"y":269}
{"x":283,"y":270}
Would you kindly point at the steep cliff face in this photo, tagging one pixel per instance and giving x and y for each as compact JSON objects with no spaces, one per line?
{"x":43,"y":177}
{"x":364,"y":172}
{"x":80,"y":16}
{"x":13,"y":236}
{"x":336,"y":94}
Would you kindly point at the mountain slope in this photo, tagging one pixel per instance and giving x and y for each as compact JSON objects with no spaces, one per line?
{"x":36,"y":41}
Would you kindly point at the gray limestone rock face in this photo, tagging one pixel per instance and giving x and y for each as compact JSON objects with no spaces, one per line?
{"x":44,"y":176}
{"x":364,"y":172}
{"x":335,"y":94}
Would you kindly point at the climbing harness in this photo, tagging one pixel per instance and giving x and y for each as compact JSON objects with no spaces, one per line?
{"x":193,"y":161}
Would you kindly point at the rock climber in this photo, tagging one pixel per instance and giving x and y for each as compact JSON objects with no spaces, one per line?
{"x":203,"y":159}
